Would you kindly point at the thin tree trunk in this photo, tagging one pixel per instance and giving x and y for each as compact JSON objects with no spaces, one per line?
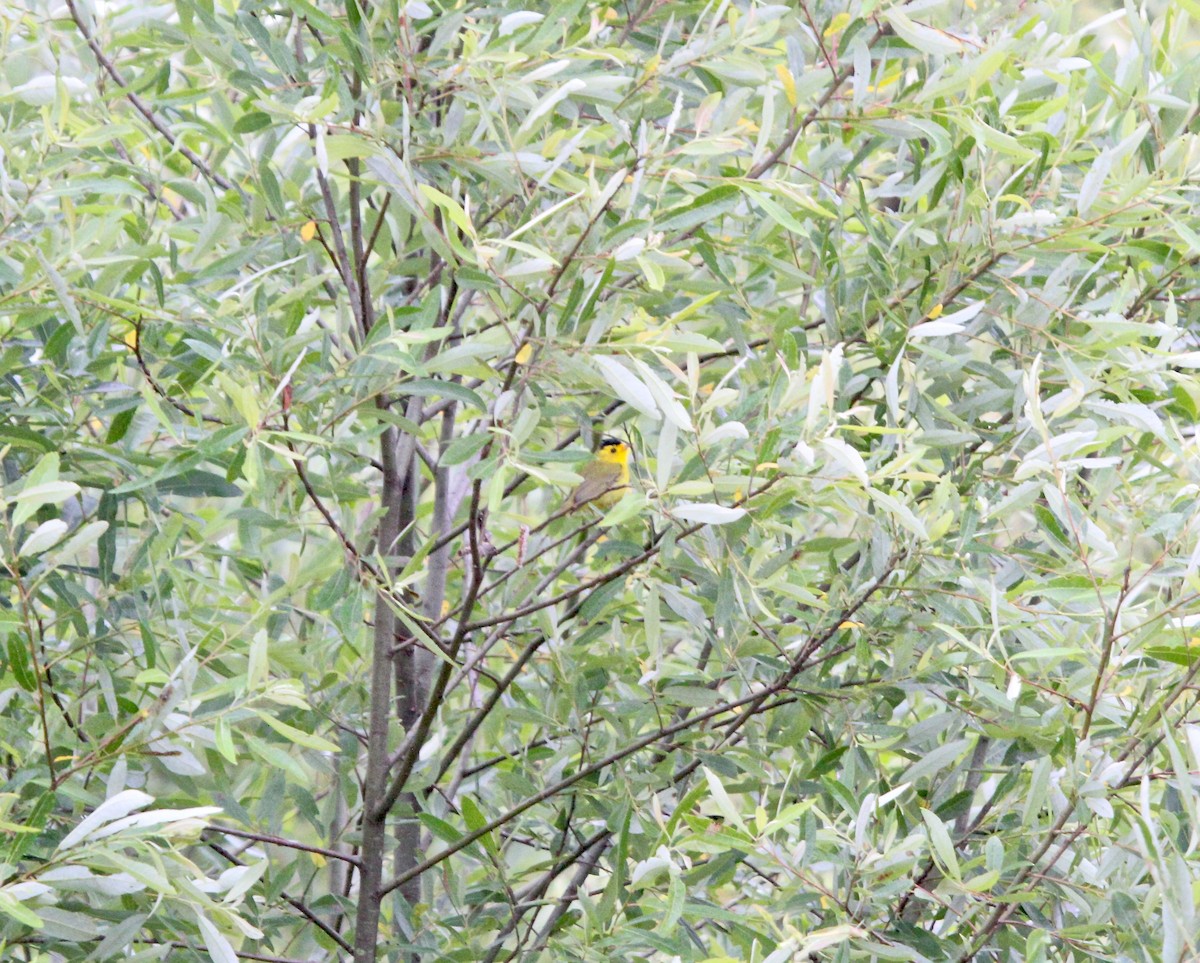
{"x":374,"y":822}
{"x":412,"y":670}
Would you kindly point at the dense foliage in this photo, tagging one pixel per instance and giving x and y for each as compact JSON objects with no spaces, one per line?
{"x":311,"y":312}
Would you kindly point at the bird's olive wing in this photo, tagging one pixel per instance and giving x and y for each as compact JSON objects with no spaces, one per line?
{"x":598,"y":479}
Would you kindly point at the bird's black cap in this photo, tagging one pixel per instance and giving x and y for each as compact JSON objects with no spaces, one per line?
{"x":605,"y":442}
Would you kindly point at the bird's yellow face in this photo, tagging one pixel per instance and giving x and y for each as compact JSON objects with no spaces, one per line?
{"x":613,"y":452}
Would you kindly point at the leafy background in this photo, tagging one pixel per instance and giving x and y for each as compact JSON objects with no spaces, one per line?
{"x":311,"y":312}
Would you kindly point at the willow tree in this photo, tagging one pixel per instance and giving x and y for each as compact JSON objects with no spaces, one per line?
{"x":311,"y":312}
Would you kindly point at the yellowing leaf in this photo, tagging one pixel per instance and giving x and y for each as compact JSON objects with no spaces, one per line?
{"x":131,"y":338}
{"x":788,"y":81}
{"x":838,"y":24}
{"x":308,"y":231}
{"x":524,"y":354}
{"x":453,"y":209}
{"x":887,"y":80}
{"x":935,"y":311}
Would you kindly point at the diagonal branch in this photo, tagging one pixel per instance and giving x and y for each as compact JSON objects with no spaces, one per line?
{"x":298,"y":905}
{"x":801,"y":124}
{"x":145,"y":109}
{"x":284,"y":842}
{"x":159,"y":389}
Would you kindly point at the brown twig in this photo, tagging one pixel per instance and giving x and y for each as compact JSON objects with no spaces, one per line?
{"x":282,"y":841}
{"x":156,"y":387}
{"x":296,"y":904}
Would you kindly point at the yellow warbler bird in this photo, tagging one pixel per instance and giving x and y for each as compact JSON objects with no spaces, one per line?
{"x":605,"y":477}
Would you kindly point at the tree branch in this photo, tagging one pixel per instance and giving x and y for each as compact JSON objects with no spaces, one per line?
{"x":144,"y":109}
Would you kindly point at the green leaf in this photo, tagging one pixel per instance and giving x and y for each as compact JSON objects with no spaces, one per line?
{"x":251,"y":121}
{"x":32,"y":497}
{"x":463,"y":449}
{"x":627,"y":385}
{"x":22,"y":437}
{"x":440,"y":828}
{"x":428,"y":388}
{"x":676,"y":899}
{"x":1184,"y":655}
{"x":14,"y":909}
{"x":926,"y":39}
{"x":702,"y":211}
{"x":943,"y":847}
{"x":475,"y":821}
{"x":721,"y":799}
{"x":19,"y":663}
{"x":299,"y":737}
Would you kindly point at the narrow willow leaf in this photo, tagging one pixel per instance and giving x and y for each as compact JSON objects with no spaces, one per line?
{"x":626,"y":385}
{"x":14,"y":909}
{"x":31,"y":498}
{"x":707,"y":514}
{"x":220,"y":950}
{"x":721,"y":799}
{"x":298,"y":736}
{"x":943,"y":847}
{"x":111,"y":809}
{"x":42,"y":538}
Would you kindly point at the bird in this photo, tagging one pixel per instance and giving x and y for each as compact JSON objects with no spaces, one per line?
{"x":605,"y":477}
